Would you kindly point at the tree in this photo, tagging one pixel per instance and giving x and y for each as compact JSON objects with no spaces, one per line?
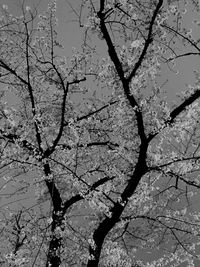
{"x":33,"y":136}
{"x":108,"y":170}
{"x":135,"y":66}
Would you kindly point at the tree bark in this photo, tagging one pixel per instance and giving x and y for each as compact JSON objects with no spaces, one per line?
{"x":109,"y":222}
{"x":53,"y":256}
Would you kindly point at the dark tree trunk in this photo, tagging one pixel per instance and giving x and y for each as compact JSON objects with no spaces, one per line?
{"x":100,"y":233}
{"x":53,"y":257}
{"x":108,"y":223}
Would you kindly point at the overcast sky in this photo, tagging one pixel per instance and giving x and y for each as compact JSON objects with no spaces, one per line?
{"x":71,"y":36}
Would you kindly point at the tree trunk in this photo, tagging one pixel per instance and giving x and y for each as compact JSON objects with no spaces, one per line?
{"x":101,"y":232}
{"x":108,"y":223}
{"x":53,"y":257}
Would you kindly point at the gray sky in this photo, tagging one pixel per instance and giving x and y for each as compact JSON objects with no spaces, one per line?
{"x":71,"y":36}
{"x":69,"y":31}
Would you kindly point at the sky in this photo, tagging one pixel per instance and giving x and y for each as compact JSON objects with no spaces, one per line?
{"x":182,"y":74}
{"x":71,"y":36}
{"x":68,"y":30}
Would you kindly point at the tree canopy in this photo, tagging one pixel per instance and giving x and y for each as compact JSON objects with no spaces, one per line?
{"x":97,"y":167}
